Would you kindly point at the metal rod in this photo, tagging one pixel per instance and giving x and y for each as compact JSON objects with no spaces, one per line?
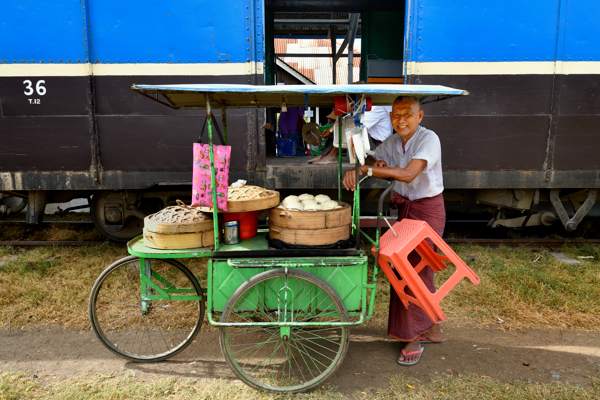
{"x":332,"y":39}
{"x":351,"y":35}
{"x":339,"y":169}
{"x":213,"y":178}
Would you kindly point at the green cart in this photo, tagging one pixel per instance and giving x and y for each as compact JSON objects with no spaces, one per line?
{"x":283,"y":315}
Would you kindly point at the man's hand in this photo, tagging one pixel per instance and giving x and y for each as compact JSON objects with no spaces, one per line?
{"x":350,"y":179}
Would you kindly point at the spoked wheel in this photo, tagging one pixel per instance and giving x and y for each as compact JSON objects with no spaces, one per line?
{"x":146,"y":320}
{"x":284,"y":358}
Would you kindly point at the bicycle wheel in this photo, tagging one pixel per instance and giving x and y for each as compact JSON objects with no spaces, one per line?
{"x":146,"y":328}
{"x":284,"y":359}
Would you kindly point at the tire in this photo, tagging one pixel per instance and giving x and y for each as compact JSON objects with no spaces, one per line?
{"x":165,"y":328}
{"x":263,"y":357}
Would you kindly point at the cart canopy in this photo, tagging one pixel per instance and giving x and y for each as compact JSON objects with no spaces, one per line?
{"x":225,"y":95}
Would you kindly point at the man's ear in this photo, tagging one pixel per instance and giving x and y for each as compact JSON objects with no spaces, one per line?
{"x":421,"y":115}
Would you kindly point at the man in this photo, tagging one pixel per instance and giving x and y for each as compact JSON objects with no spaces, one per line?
{"x":412,"y":158}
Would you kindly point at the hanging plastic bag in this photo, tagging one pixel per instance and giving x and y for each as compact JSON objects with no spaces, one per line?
{"x":201,"y":183}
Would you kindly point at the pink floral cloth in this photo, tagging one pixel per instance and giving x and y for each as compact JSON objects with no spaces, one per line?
{"x":201,"y":185}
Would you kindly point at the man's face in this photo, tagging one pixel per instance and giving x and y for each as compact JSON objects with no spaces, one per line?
{"x":406,"y":117}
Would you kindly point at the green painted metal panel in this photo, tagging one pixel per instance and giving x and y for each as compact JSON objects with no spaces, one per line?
{"x":347,"y":279}
{"x":226,"y":280}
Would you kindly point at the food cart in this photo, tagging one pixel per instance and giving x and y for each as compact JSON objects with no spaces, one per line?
{"x":283,"y":315}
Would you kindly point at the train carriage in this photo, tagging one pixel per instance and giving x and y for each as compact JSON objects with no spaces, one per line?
{"x":524,"y":143}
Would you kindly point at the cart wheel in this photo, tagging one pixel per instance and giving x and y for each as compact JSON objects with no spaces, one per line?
{"x":279,"y":358}
{"x":145,"y":330}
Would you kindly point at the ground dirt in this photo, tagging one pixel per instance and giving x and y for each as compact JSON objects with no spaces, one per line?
{"x":532,"y":356}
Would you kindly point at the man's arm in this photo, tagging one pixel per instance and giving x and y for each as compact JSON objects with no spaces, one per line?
{"x":407,"y":174}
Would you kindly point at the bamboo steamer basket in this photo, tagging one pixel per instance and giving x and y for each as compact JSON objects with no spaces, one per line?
{"x":177,"y":241}
{"x":265,"y":200}
{"x":321,"y":219}
{"x":178,"y":227}
{"x":310,"y":228}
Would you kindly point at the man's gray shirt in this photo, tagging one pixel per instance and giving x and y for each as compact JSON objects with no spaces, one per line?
{"x":423,"y":145}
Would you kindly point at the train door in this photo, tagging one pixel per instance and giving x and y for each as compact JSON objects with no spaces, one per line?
{"x":336,"y":42}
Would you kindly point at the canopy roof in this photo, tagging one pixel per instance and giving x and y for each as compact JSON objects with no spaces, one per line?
{"x":225,"y":95}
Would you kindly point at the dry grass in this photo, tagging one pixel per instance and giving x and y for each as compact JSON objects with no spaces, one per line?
{"x":520,"y":287}
{"x":472,"y":387}
{"x":47,"y":285}
{"x":19,"y":386}
{"x":524,"y":287}
{"x":445,"y":387}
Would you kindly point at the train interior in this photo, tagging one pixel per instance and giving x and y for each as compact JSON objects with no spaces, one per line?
{"x":310,"y":42}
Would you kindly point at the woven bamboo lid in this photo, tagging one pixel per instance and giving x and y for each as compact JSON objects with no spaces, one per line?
{"x":178,"y":219}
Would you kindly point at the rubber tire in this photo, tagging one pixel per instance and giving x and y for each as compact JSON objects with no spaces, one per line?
{"x":261,"y":277}
{"x":98,"y":331}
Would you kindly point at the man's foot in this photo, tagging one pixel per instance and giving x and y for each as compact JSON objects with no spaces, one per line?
{"x":314,"y":159}
{"x":328,"y":158}
{"x":432,"y":335}
{"x":410,"y":354}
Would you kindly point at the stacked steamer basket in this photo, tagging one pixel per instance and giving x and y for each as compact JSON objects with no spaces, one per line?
{"x":302,"y":221}
{"x":243,"y":204}
{"x":246,"y":198}
{"x":178,"y":227}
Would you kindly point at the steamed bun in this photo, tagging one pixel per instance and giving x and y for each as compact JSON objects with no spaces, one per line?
{"x":310,"y":205}
{"x":289,"y":201}
{"x":306,"y":196}
{"x":321,"y":198}
{"x":329,"y":205}
{"x":294,"y":205}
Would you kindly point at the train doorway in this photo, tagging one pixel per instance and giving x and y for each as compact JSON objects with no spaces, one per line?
{"x":336,"y":42}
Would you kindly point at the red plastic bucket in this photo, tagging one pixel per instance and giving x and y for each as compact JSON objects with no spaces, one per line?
{"x":247,"y":220}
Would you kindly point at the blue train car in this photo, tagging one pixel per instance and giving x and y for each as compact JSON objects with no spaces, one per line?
{"x":524,"y":142}
{"x":69,"y":123}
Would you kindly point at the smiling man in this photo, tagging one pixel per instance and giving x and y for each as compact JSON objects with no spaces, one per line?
{"x":412,"y":157}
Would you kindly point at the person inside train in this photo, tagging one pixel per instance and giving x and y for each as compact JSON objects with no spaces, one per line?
{"x":412,"y":158}
{"x":379,"y":128}
{"x":378,"y":123}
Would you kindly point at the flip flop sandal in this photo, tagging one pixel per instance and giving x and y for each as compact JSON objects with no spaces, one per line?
{"x":412,"y":357}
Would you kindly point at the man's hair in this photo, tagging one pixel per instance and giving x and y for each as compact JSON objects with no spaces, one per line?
{"x":411,"y":99}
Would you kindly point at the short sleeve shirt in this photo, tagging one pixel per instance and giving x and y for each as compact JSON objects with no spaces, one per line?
{"x":423,"y":145}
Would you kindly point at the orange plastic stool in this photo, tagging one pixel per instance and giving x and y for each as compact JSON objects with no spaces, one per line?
{"x":410,"y":235}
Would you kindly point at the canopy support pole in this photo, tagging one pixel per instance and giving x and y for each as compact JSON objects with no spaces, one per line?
{"x":339,"y":169}
{"x":213,"y":178}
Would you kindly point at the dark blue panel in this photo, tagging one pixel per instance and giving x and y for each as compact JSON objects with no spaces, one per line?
{"x":34,"y":31}
{"x":580,"y":30}
{"x":182,"y":31}
{"x":491,"y":30}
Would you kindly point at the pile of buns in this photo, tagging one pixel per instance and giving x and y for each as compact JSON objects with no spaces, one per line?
{"x":308,"y":202}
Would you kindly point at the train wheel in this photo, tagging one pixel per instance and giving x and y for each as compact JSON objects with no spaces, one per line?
{"x":276,"y":358}
{"x":146,"y":330}
{"x":116,"y":215}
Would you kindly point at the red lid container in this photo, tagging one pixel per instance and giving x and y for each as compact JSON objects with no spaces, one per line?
{"x":247,"y":221}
